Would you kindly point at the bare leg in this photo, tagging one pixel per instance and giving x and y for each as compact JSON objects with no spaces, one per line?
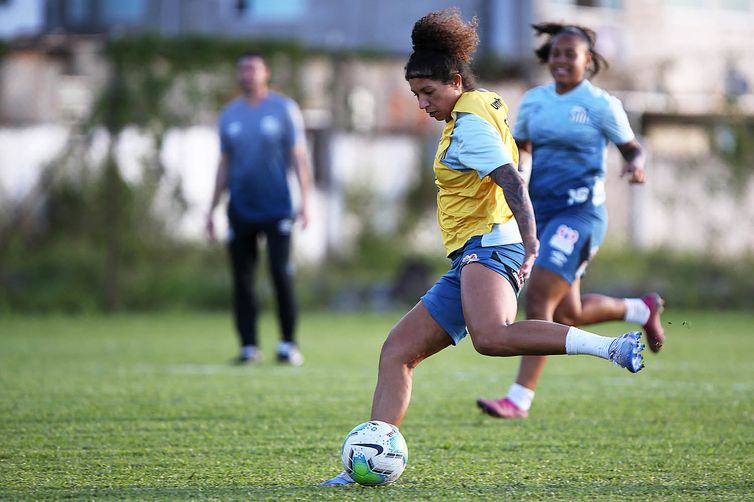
{"x":415,"y":337}
{"x":549,"y":297}
{"x":489,"y":306}
{"x":576,"y":309}
{"x":543,"y":294}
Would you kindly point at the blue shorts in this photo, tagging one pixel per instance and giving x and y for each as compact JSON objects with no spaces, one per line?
{"x":568,"y":240}
{"x":443,"y":300}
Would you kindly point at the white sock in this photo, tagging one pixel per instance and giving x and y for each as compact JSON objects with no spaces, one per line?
{"x":520,"y":396}
{"x":636,"y":311}
{"x":248,"y":351}
{"x":579,"y":341}
{"x":284,"y":347}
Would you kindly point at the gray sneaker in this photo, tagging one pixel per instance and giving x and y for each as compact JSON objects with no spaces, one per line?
{"x":288,"y":353}
{"x":625,"y":351}
{"x":249,"y":355}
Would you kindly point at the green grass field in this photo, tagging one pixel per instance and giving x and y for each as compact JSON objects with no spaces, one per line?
{"x":148,"y":407}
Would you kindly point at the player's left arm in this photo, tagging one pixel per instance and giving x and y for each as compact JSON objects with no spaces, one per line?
{"x":517,"y":197}
{"x":633,"y":154}
{"x":616,"y":127}
{"x":300,"y":159}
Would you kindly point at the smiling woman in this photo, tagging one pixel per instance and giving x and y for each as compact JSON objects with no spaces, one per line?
{"x":566,"y":127}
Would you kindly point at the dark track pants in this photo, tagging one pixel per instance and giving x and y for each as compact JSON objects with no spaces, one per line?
{"x":244,"y":251}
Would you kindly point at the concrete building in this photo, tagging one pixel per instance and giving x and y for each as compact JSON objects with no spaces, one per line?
{"x":681,"y":67}
{"x":332,"y":24}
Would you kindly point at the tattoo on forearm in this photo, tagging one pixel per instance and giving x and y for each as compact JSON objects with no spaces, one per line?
{"x":517,"y":197}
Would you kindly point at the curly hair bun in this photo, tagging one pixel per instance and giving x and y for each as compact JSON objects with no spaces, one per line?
{"x":445,"y":32}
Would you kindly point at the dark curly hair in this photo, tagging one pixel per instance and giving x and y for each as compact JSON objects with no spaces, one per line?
{"x":443,"y":46}
{"x":552,"y":30}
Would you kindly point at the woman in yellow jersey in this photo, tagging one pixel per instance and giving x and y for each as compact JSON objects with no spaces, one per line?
{"x":488,"y":229}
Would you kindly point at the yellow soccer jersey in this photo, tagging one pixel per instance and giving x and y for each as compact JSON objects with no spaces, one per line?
{"x":469,"y":203}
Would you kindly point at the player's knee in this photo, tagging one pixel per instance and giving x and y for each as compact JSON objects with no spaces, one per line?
{"x":492,"y":341}
{"x":394,"y":353}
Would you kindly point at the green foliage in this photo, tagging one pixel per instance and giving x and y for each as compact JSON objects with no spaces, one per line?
{"x":95,"y":241}
{"x":148,"y":408}
{"x":733,"y":141}
{"x":741,"y":158}
{"x":685,"y":280}
{"x":93,"y":225}
{"x":494,"y":69}
{"x":158,"y":82}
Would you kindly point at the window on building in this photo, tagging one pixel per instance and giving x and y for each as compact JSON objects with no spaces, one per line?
{"x":273,"y":10}
{"x":117,"y":11}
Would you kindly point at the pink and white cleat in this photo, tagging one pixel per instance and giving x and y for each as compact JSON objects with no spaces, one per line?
{"x":501,"y":408}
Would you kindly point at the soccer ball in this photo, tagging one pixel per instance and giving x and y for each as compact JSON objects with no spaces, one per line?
{"x":374,"y":453}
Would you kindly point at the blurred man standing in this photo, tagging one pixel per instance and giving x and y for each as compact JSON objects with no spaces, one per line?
{"x":261,"y":139}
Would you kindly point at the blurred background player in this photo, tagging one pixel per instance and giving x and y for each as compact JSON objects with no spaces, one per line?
{"x":261,"y":139}
{"x":566,"y":126}
{"x":487,"y":224}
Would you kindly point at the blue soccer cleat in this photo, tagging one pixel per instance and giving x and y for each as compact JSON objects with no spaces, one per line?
{"x":625,"y":351}
{"x":341,"y":479}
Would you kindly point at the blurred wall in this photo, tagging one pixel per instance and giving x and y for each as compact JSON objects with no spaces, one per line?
{"x":668,"y":59}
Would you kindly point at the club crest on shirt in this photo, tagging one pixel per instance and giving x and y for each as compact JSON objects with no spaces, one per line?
{"x":234,"y":128}
{"x":564,"y":239}
{"x":579,"y":115}
{"x":270,"y":126}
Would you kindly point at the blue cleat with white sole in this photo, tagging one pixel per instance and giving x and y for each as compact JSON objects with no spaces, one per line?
{"x":341,"y":479}
{"x":625,"y":351}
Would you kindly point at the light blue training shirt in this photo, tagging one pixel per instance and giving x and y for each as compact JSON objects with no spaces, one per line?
{"x":476,"y":145}
{"x":569,"y":135}
{"x":258,"y":141}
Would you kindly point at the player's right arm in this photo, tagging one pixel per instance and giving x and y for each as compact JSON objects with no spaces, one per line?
{"x":221,"y":183}
{"x":517,"y":197}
